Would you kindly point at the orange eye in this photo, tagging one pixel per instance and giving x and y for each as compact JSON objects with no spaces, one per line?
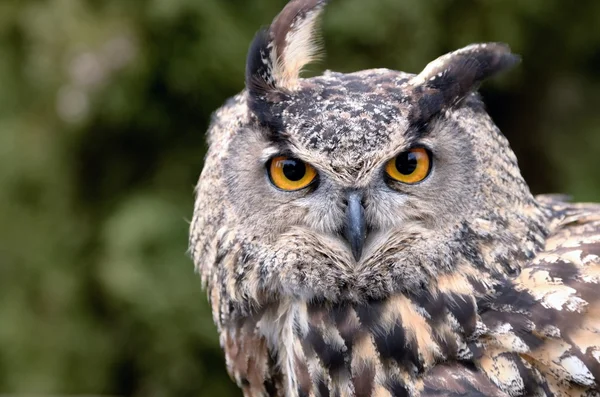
{"x":409,"y":167}
{"x":290,"y":174}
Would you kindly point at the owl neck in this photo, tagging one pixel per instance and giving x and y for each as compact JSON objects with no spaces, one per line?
{"x":341,"y":347}
{"x":385,"y":342}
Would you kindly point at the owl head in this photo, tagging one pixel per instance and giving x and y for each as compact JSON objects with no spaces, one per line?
{"x":356,"y":186}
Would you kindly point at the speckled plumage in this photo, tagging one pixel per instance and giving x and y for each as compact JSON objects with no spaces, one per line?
{"x":467,"y":286}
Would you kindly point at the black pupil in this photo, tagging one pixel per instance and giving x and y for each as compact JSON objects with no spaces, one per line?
{"x":406,"y":163}
{"x":294,"y":170}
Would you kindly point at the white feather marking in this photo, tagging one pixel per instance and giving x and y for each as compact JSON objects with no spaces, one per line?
{"x":277,"y":328}
{"x":551,"y":331}
{"x":578,"y":371}
{"x":301,"y":49}
{"x":564,"y":298}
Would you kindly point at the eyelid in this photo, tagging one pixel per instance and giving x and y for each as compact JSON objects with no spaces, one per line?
{"x":269,"y":153}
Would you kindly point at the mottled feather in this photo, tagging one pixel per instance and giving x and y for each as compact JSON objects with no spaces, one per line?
{"x":468,"y":285}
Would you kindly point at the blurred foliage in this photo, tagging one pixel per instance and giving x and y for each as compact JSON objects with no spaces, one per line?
{"x":103,"y":108}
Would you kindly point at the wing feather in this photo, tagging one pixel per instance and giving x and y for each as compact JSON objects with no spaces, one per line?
{"x":458,"y":380}
{"x":550,"y":314}
{"x":249,"y":361}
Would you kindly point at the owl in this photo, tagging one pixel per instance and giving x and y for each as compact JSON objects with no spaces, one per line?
{"x":370,"y":234}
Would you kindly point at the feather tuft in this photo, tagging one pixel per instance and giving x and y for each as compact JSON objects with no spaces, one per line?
{"x":278,"y":55}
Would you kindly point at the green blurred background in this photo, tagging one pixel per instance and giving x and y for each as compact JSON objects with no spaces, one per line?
{"x":103,"y":109}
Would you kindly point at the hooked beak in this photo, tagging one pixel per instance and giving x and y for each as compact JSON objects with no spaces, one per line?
{"x":355,"y":230}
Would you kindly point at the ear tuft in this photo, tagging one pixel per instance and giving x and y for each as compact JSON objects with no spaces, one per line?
{"x":278,"y":54}
{"x":453,"y":76}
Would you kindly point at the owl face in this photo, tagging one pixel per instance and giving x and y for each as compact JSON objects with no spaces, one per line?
{"x":346,"y":164}
{"x":353,"y":186}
